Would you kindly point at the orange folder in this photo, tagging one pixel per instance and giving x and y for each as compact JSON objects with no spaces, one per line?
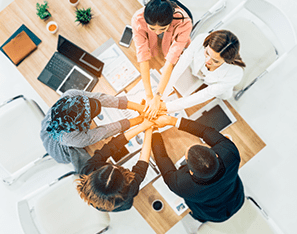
{"x":19,"y":47}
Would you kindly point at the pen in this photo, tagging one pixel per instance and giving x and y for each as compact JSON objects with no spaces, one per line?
{"x":154,"y":167}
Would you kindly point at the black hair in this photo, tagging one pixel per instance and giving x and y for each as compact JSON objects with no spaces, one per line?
{"x":160,"y":12}
{"x":202,"y":161}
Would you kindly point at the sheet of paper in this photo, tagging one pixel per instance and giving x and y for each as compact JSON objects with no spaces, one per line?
{"x":118,"y":69}
{"x":176,"y":203}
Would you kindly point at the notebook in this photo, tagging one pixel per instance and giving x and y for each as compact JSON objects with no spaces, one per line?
{"x":71,"y":67}
{"x":19,"y":47}
{"x":31,"y":35}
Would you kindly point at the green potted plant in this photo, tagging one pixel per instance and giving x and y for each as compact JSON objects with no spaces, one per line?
{"x":83,"y":16}
{"x":42,"y":10}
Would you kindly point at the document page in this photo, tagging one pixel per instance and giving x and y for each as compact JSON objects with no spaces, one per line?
{"x":118,"y":70}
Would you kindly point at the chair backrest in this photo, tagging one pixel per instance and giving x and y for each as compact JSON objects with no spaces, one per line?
{"x":248,"y":220}
{"x":256,"y":49}
{"x":20,"y":144}
{"x":182,"y":6}
{"x":59,"y":209}
{"x":265,"y":34}
{"x":275,"y":19}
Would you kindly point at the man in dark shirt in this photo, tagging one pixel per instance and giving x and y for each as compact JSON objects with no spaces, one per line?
{"x":209,"y":182}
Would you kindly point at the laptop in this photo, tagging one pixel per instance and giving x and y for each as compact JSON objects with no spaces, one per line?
{"x":71,"y":68}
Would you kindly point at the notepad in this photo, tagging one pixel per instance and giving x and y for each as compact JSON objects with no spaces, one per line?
{"x":19,"y":47}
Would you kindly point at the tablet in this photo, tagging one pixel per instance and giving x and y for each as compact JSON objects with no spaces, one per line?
{"x":76,"y":79}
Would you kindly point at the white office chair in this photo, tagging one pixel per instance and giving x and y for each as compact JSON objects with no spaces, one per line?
{"x":57,"y":208}
{"x":266,"y":36}
{"x":250,"y":219}
{"x":202,"y":11}
{"x":20,"y":145}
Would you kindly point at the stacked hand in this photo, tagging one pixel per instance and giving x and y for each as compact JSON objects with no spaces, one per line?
{"x":154,"y":107}
{"x":157,"y":117}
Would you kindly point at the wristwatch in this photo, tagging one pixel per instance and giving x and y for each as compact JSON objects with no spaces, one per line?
{"x":159,"y":94}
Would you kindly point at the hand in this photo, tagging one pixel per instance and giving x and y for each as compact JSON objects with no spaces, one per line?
{"x":151,"y":110}
{"x":163,"y":121}
{"x":163,"y":106}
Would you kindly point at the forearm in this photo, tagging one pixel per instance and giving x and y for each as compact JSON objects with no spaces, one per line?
{"x":135,"y":106}
{"x":168,"y":67}
{"x":140,"y":128}
{"x":135,"y":121}
{"x":145,"y":75}
{"x":164,"y":163}
{"x":146,"y":147}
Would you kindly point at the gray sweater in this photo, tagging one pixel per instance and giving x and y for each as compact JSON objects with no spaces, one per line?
{"x":70,"y":147}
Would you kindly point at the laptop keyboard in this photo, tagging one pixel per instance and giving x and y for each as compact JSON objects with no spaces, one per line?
{"x":59,"y":66}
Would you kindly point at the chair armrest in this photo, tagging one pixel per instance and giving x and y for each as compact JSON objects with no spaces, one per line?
{"x":12,"y":99}
{"x":26,"y":219}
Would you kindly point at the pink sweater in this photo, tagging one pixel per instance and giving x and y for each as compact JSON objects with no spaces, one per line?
{"x":175,"y":39}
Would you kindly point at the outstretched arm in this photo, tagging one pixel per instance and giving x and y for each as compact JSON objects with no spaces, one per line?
{"x":145,"y":76}
{"x":135,"y":121}
{"x":135,"y":106}
{"x":153,"y":106}
{"x":146,"y":147}
{"x":140,"y":128}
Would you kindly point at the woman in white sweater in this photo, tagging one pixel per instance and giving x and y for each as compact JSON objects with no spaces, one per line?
{"x":215,"y":59}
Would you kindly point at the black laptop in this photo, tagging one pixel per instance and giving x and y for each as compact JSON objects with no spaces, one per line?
{"x":71,"y":68}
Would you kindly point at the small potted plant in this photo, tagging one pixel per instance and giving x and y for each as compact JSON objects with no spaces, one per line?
{"x":83,"y":16}
{"x":42,"y":10}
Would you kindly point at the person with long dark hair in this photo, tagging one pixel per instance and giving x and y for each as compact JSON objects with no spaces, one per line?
{"x":215,"y":59}
{"x":109,"y":187}
{"x":161,"y":23}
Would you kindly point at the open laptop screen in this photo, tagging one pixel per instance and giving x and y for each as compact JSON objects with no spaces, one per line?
{"x":80,"y":56}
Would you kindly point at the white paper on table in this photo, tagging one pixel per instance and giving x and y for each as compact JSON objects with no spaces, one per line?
{"x":175,"y":202}
{"x":137,"y":93}
{"x":118,"y":69}
{"x":150,"y":174}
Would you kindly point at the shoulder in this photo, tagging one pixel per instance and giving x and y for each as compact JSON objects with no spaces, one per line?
{"x":138,"y":16}
{"x":231,"y":72}
{"x":72,"y":92}
{"x":199,"y":39}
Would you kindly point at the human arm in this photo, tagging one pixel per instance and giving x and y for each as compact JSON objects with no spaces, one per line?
{"x":141,"y":166}
{"x":164,"y":163}
{"x":184,"y":62}
{"x":145,"y":76}
{"x":146,"y":147}
{"x":135,"y":106}
{"x":82,"y":139}
{"x":223,"y":85}
{"x":154,"y":104}
{"x":135,"y":121}
{"x":106,"y":100}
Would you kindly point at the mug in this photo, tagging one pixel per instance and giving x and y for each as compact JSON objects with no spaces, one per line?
{"x":73,"y":2}
{"x":157,"y":205}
